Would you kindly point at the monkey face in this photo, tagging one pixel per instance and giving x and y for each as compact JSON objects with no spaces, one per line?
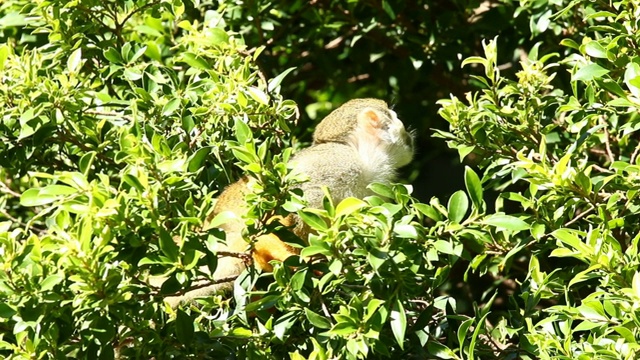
{"x":398,"y":140}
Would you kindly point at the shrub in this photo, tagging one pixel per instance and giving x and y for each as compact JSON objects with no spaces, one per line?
{"x":122,"y":121}
{"x":567,"y":158}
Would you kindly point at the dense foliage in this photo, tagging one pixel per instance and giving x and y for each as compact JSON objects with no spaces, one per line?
{"x":122,"y":121}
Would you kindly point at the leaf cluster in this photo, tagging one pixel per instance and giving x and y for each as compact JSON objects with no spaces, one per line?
{"x":122,"y":122}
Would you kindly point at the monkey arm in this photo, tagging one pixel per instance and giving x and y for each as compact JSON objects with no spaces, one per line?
{"x":270,"y":247}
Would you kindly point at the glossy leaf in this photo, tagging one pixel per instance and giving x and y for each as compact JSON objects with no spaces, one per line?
{"x":458,"y":206}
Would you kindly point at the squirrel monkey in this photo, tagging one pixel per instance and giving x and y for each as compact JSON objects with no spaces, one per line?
{"x":359,"y":143}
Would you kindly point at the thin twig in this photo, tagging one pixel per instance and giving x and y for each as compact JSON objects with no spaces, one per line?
{"x":239,"y":255}
{"x":201,"y":284}
{"x":606,"y":143}
{"x":195,"y":137}
{"x":634,"y":156}
{"x":94,"y":17}
{"x":325,"y":310}
{"x":22,"y":224}
{"x":141,"y":8}
{"x":601,"y":169}
{"x":7,"y":190}
{"x":580,"y":216}
{"x":109,"y":113}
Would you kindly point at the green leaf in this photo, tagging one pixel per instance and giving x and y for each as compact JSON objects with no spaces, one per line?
{"x":343,"y":329}
{"x":405,"y":231}
{"x":349,"y":206}
{"x":464,"y":150}
{"x":462,"y":334}
{"x":314,"y":220}
{"x":585,"y":275}
{"x":476,"y":332}
{"x":132,"y":74}
{"x":245,"y":155}
{"x":570,"y":43}
{"x":32,"y":197}
{"x":544,"y":21}
{"x":168,"y":247}
{"x":612,"y":87}
{"x":317,"y":320}
{"x":171,"y":106}
{"x":458,"y":206}
{"x":474,"y":187}
{"x":428,"y":211}
{"x":584,"y":182}
{"x":184,"y":327}
{"x":587,"y":325}
{"x":126,"y":51}
{"x":504,"y":221}
{"x":589,"y":73}
{"x":602,"y":15}
{"x":197,"y":159}
{"x":594,"y":49}
{"x":86,"y":161}
{"x":538,"y":230}
{"x":631,"y":74}
{"x":474,"y":60}
{"x":74,"y":61}
{"x":377,"y":258}
{"x":58,"y":190}
{"x":241,"y":333}
{"x":27,"y":115}
{"x":275,"y":82}
{"x":315,"y":250}
{"x":570,"y":237}
{"x":4,"y":55}
{"x":258,"y":95}
{"x":398,"y":322}
{"x":373,"y":308}
{"x":113,"y":56}
{"x":388,"y":9}
{"x":593,"y":310}
{"x":446,"y":247}
{"x":217,"y":36}
{"x":50,"y":282}
{"x":134,"y":182}
{"x":382,"y":189}
{"x":85,"y":233}
{"x":6,"y":311}
{"x":440,"y":351}
{"x":195,"y":61}
{"x":153,"y":51}
{"x":534,"y":51}
{"x":243,"y":131}
{"x":635,"y":285}
{"x":565,"y":252}
{"x":620,"y":102}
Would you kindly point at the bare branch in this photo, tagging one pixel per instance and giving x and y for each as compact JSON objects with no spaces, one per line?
{"x":580,"y":216}
{"x":7,"y":190}
{"x":606,"y":143}
{"x":634,"y":156}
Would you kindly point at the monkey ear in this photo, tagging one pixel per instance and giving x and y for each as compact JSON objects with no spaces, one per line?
{"x":370,"y":119}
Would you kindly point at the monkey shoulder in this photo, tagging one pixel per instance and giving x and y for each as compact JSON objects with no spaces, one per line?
{"x":334,"y":165}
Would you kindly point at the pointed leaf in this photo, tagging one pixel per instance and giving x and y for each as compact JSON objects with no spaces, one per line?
{"x":589,"y":72}
{"x":74,"y":61}
{"x":398,"y":322}
{"x":474,"y":187}
{"x":314,"y":220}
{"x":506,"y":222}
{"x":275,"y":82}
